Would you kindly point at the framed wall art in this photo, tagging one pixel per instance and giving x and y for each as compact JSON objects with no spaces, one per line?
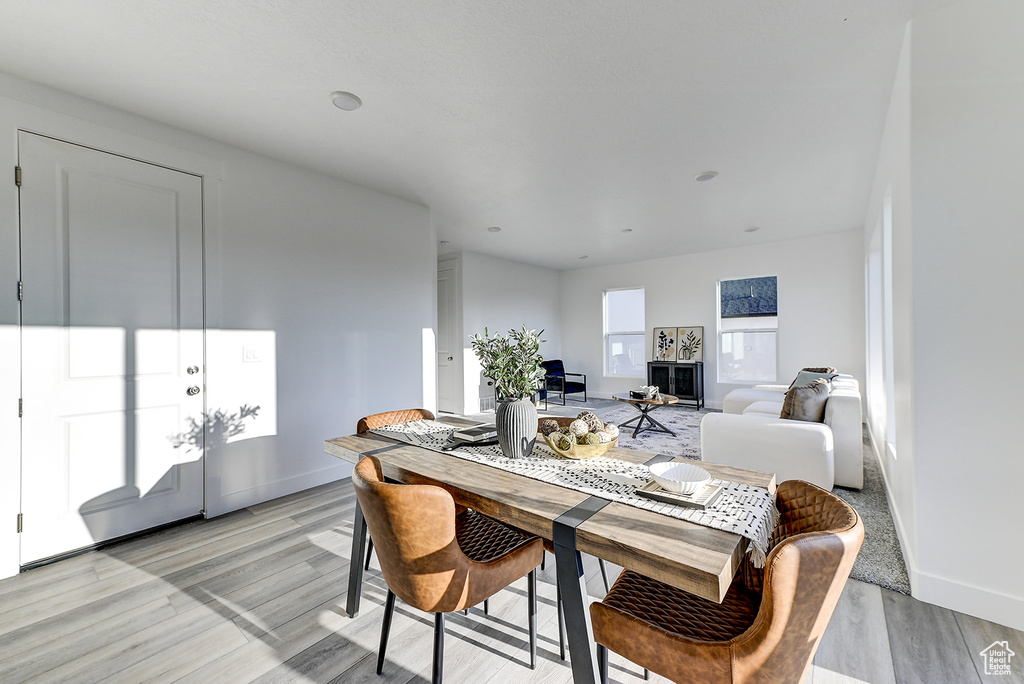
{"x":690,"y":344}
{"x":664,"y":344}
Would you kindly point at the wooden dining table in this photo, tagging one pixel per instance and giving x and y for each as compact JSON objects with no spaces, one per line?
{"x":697,"y":559}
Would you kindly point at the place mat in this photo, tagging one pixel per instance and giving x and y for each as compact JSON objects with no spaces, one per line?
{"x":703,"y":498}
{"x":742,"y":509}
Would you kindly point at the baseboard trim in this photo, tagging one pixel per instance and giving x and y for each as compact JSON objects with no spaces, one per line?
{"x":941,"y":591}
{"x":251,"y":496}
{"x":966,"y":598}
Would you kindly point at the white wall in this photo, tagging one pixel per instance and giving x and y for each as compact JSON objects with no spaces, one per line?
{"x":961,"y":246}
{"x":345,"y":277}
{"x":331,"y":283}
{"x":821,"y":305}
{"x":499,"y":295}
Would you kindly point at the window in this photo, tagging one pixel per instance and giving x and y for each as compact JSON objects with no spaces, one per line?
{"x":881,"y":377}
{"x":748,"y":322}
{"x":624,"y":333}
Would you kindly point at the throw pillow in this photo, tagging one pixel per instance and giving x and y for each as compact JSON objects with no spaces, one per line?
{"x":806,"y":402}
{"x":821,"y":369}
{"x":806,"y":377}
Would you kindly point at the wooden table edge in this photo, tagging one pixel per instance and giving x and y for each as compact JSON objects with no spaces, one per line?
{"x":602,"y":545}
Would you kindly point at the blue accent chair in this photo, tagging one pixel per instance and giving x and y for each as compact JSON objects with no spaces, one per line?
{"x":555,"y":381}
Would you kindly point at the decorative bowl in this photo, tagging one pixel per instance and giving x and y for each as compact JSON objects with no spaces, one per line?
{"x":681,"y":478}
{"x":578,"y":451}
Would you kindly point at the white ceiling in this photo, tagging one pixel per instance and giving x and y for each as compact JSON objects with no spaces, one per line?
{"x":562,"y":122}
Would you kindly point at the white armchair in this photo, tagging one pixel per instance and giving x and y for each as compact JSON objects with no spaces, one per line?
{"x":750,"y":434}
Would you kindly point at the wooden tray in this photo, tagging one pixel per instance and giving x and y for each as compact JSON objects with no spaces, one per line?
{"x":702,"y":499}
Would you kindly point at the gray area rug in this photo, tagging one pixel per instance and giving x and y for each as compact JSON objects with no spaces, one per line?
{"x":880,"y":561}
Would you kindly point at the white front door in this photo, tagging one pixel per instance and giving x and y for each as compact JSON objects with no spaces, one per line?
{"x":447,"y":344}
{"x":112,"y":353}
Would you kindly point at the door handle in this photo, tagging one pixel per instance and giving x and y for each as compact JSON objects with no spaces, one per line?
{"x":192,"y":391}
{"x":451,"y":358}
{"x":192,"y":370}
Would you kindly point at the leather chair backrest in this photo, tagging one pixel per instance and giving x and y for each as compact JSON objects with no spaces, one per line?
{"x":413,"y":530}
{"x":817,"y":540}
{"x":379,"y":420}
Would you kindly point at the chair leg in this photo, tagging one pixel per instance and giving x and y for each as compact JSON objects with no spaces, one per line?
{"x":531,"y":590}
{"x":602,"y":663}
{"x":369,"y":550}
{"x":561,"y":624}
{"x":604,"y":575}
{"x":542,"y":559}
{"x":487,"y":607}
{"x":389,"y":610}
{"x":438,"y":648}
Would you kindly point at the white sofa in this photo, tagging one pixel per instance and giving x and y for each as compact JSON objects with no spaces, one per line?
{"x":750,"y":434}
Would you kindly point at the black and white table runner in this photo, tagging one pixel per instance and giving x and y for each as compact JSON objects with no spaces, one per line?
{"x":742,"y":509}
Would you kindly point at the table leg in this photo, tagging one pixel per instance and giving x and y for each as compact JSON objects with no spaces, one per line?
{"x":639,"y":420}
{"x":659,"y":425}
{"x":355,"y":570}
{"x":573,"y":587}
{"x":645,"y":414}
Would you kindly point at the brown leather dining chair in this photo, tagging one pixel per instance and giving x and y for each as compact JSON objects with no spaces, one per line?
{"x":438,"y":561}
{"x":769,"y":625}
{"x":379,"y":420}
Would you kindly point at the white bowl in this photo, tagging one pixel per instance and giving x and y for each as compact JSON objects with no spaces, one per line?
{"x":681,"y":478}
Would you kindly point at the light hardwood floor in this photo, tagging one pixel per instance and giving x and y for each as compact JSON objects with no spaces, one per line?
{"x":258,"y":596}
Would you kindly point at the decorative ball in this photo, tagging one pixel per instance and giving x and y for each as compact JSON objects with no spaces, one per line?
{"x":563,"y":441}
{"x":579,"y":428}
{"x":591,"y":438}
{"x":593,"y":422}
{"x":611,"y":430}
{"x":604,"y":437}
{"x":547,"y":426}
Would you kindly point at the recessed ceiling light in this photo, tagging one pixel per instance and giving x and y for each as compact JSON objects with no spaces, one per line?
{"x":705,"y":176}
{"x":752,"y":229}
{"x":627,"y":230}
{"x":583,"y":256}
{"x":346,"y":101}
{"x":445,"y":243}
{"x":494,"y":229}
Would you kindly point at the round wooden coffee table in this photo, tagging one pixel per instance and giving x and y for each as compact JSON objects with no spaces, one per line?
{"x":645,"y":406}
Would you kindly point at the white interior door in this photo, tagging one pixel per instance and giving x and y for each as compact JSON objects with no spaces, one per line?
{"x":112,"y":330}
{"x":447,"y":342}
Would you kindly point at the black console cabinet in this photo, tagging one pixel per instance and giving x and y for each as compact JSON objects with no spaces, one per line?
{"x":682,"y":380}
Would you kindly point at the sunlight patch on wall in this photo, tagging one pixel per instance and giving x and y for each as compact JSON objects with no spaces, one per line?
{"x":242,"y":366}
{"x":429,"y":370}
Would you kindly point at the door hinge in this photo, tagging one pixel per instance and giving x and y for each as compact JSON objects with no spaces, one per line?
{"x":21,"y":407}
{"x":21,"y":291}
{"x":19,"y":523}
{"x":17,"y":176}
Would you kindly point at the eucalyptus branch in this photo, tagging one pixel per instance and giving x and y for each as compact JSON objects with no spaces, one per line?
{"x":512,"y":362}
